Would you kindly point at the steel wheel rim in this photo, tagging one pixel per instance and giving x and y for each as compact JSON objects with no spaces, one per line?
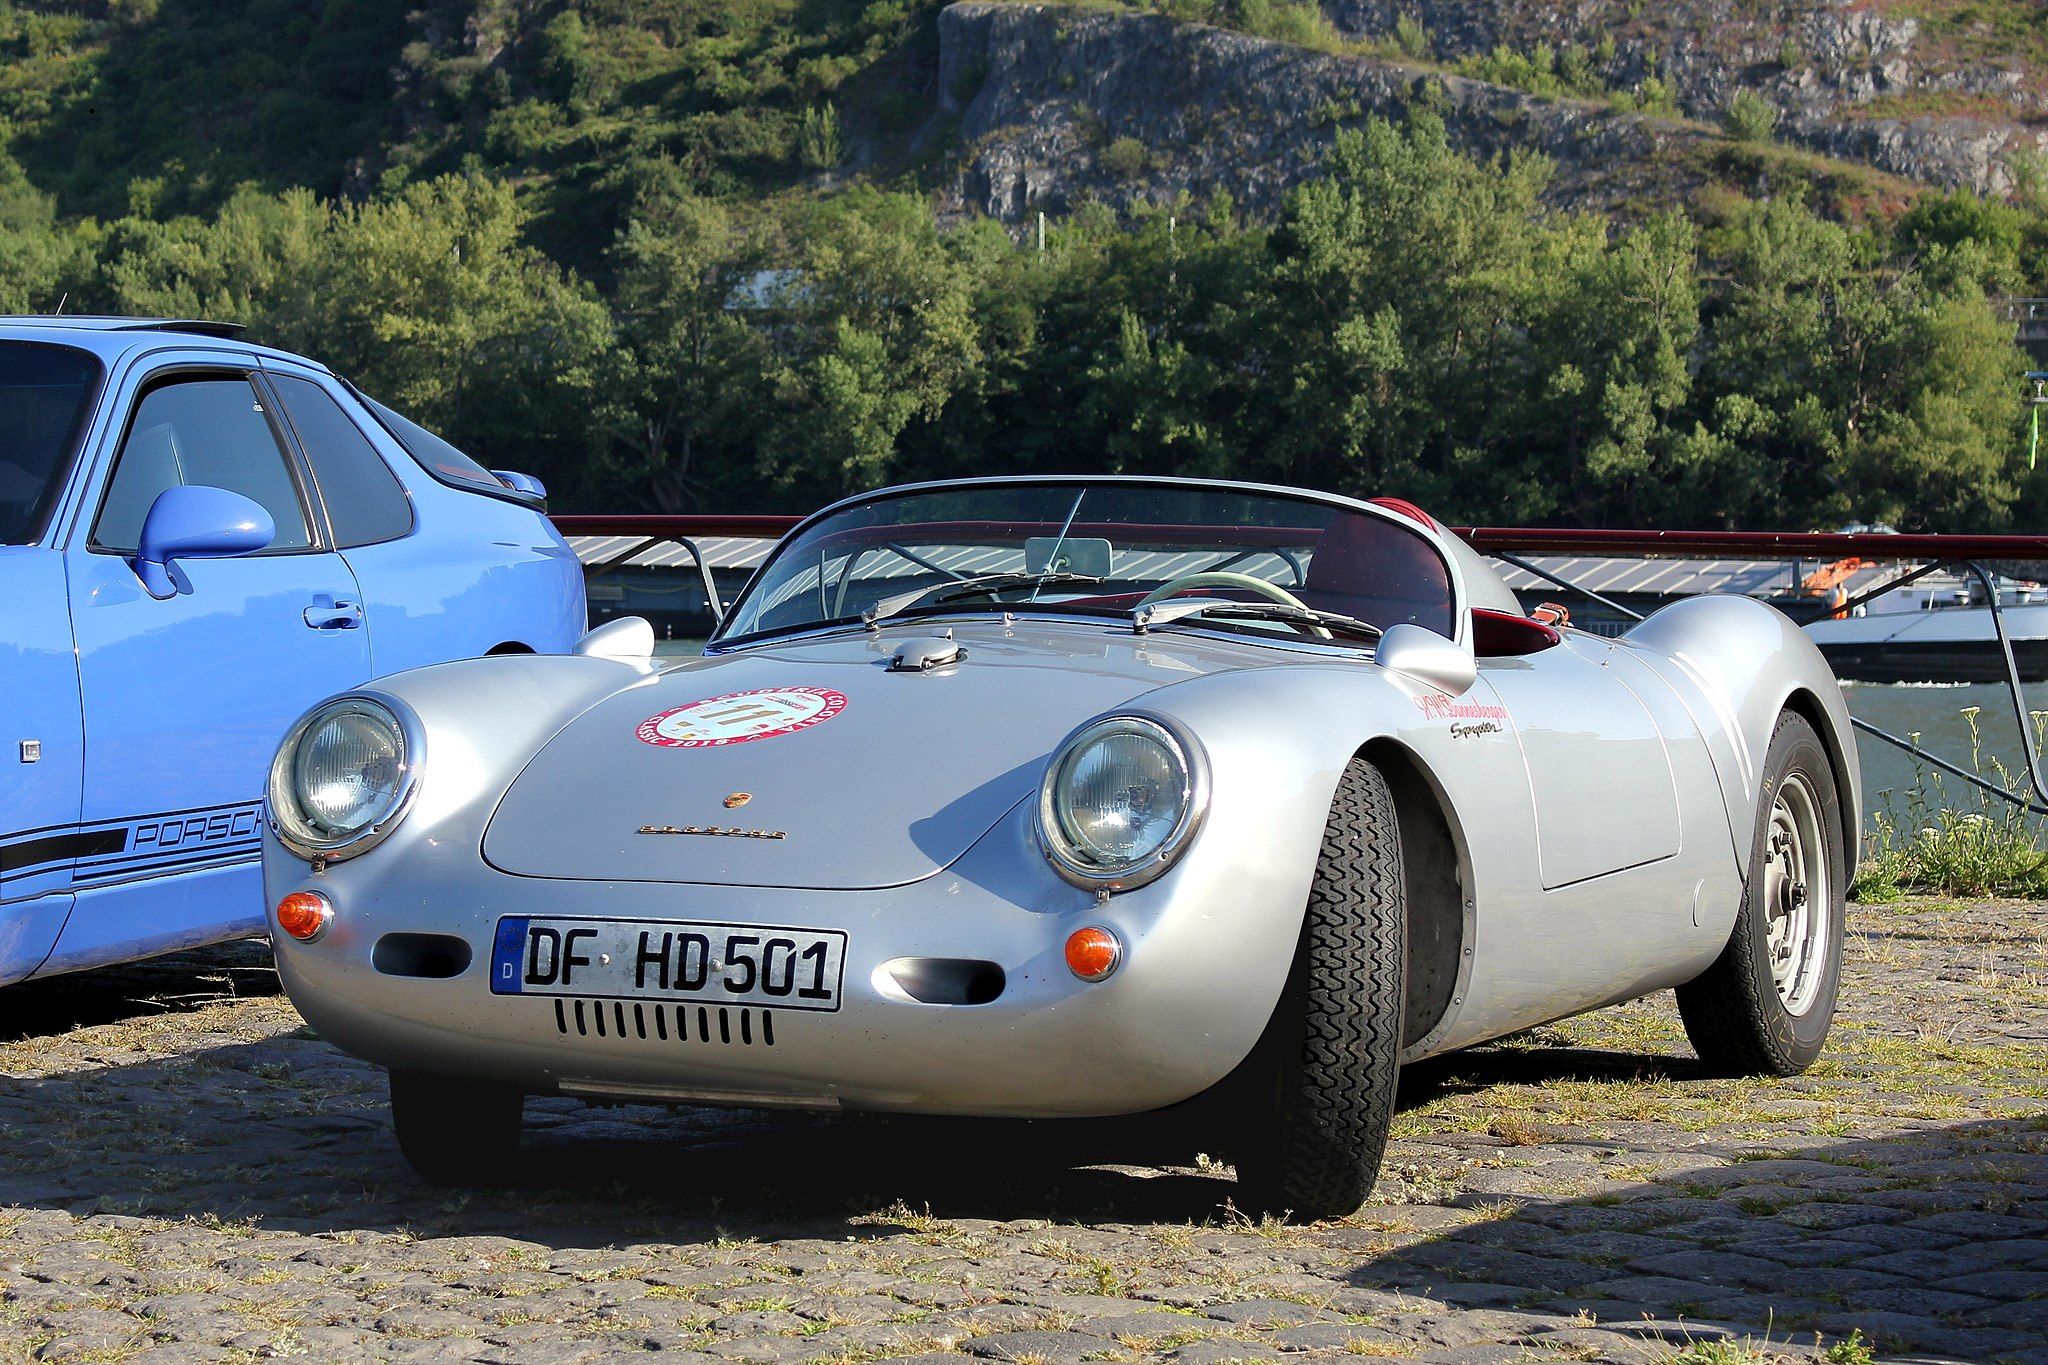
{"x":1798,"y":895}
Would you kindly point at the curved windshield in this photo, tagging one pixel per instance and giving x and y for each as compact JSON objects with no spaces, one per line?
{"x":1096,"y":548}
{"x":46,"y":393}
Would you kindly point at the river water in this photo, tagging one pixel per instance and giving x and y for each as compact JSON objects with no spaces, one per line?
{"x":1940,"y":714}
{"x":1936,"y":712}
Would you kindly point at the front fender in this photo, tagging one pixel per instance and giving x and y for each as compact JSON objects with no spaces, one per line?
{"x":482,"y":720}
{"x":1277,"y":741}
{"x":1739,"y":665}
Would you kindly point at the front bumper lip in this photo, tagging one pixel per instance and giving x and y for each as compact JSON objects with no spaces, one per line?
{"x":1158,"y":1031}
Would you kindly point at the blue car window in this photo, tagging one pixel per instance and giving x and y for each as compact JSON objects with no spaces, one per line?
{"x":435,"y":455}
{"x":202,"y":431}
{"x":45,"y":396}
{"x":365,"y":501}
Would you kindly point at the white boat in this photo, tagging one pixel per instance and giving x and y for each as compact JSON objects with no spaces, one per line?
{"x":1939,"y":630}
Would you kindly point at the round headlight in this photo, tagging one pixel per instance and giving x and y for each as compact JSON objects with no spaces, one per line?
{"x":1120,"y":801}
{"x":342,"y":778}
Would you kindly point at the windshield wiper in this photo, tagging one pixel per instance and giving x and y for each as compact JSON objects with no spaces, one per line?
{"x":1165,"y":613}
{"x":979,"y":585}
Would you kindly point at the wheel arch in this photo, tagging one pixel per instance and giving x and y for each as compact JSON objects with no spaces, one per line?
{"x":1802,"y":702}
{"x":1741,"y":665}
{"x":508,"y":647}
{"x":1436,"y":881}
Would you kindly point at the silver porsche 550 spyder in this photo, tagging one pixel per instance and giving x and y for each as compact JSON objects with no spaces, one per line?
{"x":1068,"y":797}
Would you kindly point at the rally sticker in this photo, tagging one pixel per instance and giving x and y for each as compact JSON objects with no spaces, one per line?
{"x":738,"y":717}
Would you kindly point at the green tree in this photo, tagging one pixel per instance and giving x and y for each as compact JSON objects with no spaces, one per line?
{"x":1616,"y":342}
{"x":690,"y":385}
{"x":817,"y":138}
{"x":41,"y":262}
{"x":1750,"y":117}
{"x":878,"y":330}
{"x":1848,"y":384}
{"x":1943,"y":221}
{"x":1943,"y":450}
{"x":1412,"y":38}
{"x":256,"y":261}
{"x":1399,"y":298}
{"x":433,"y":302}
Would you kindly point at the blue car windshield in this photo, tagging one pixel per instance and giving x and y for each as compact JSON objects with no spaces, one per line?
{"x":46,"y":394}
{"x":1100,"y":547}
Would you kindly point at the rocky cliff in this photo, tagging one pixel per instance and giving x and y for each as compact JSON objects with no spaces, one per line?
{"x":1052,"y":103}
{"x":1939,"y":93}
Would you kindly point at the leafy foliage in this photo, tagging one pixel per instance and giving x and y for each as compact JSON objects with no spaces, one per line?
{"x":587,"y":238}
{"x":1750,"y":117}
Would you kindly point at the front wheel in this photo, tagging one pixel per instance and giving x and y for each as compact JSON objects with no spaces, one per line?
{"x":1324,"y":1096}
{"x":1764,"y":1007}
{"x":456,"y":1132}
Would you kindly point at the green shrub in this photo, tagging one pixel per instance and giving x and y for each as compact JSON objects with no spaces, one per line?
{"x":1125,"y":158}
{"x":1412,"y":38}
{"x":1540,"y":70}
{"x":1289,"y":21}
{"x":1973,"y":845}
{"x":817,"y":137}
{"x":1750,"y":117}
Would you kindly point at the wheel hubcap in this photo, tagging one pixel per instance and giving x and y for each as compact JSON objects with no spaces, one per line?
{"x":1797,"y":895}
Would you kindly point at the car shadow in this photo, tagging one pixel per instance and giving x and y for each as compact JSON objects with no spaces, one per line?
{"x":1930,"y":1239}
{"x":50,"y":1006}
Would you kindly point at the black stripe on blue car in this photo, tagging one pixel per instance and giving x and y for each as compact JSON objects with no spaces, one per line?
{"x":137,"y":846}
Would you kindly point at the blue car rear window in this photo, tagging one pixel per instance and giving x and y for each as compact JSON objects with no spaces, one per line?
{"x":435,"y":455}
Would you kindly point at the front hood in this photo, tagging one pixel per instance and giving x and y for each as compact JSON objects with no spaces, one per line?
{"x":854,"y":776}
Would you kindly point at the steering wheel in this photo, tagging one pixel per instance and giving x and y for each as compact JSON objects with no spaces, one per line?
{"x":1221,"y":578}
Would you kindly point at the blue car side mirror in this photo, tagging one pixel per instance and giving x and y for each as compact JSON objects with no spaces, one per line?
{"x":521,"y":483}
{"x":196,"y":523}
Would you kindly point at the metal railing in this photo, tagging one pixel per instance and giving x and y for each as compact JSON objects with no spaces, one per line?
{"x":1926,"y":554}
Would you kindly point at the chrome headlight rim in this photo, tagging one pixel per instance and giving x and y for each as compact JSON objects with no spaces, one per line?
{"x":281,"y":798}
{"x":1093,"y":876}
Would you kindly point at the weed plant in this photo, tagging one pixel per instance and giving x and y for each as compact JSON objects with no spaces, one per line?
{"x":1935,"y":840}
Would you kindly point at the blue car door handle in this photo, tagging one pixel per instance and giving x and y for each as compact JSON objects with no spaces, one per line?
{"x":327,"y":613}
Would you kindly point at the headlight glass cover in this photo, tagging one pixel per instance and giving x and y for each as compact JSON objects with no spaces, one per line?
{"x":343,"y":777}
{"x":1120,"y":801}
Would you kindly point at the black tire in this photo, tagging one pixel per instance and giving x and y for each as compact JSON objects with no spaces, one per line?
{"x":1323,"y":1098}
{"x":456,"y":1132}
{"x":1734,"y":1013}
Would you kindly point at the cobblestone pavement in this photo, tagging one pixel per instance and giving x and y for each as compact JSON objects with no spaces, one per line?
{"x":188,"y":1174}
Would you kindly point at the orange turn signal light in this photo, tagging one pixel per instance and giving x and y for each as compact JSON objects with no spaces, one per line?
{"x":304,"y":915}
{"x":1093,"y":953}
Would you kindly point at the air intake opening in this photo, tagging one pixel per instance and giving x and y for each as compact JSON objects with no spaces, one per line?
{"x":947,"y":980}
{"x":434,"y":956}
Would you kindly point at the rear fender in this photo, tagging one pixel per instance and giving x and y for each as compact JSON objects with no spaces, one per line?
{"x":1739,"y":665}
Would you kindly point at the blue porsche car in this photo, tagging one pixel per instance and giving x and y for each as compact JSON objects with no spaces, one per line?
{"x":199,"y":538}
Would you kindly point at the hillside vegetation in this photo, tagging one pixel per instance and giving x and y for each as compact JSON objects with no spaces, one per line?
{"x":689,"y":255}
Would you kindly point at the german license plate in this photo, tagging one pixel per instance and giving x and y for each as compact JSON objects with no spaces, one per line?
{"x":630,"y":959}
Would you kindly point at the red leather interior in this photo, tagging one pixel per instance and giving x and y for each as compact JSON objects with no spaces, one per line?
{"x":1406,"y":509}
{"x":1500,"y":634}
